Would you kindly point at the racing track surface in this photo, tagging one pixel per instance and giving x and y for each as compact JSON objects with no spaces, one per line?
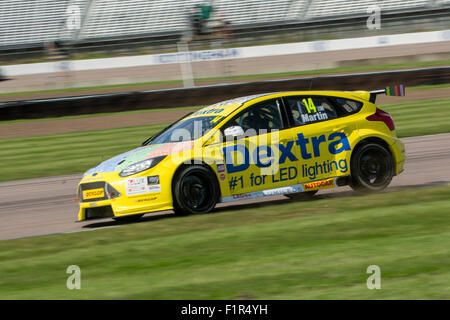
{"x":44,"y":206}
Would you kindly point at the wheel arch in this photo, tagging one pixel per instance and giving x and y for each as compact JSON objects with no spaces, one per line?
{"x":376,"y":140}
{"x":372,"y":139}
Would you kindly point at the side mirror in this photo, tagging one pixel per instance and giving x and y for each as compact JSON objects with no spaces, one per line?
{"x":234,"y":131}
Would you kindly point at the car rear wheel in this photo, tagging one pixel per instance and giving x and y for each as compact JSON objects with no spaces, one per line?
{"x":195,"y":190}
{"x":372,"y":168}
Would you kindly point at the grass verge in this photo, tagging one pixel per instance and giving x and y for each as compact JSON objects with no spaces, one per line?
{"x":23,"y":158}
{"x":92,"y":115}
{"x":267,"y":76}
{"x":422,"y":117}
{"x":417,"y":88}
{"x":285,"y":250}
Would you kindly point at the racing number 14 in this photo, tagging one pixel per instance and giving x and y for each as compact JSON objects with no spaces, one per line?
{"x":309,"y":105}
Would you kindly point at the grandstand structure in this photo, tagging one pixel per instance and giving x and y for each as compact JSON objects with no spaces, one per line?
{"x":29,"y":24}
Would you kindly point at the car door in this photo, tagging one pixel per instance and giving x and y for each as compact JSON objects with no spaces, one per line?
{"x":322,"y":136}
{"x":261,"y":158}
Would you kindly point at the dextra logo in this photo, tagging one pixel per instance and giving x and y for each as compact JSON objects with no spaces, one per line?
{"x":264,"y":156}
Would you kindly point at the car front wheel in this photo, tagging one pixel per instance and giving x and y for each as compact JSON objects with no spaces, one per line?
{"x":372,"y":168}
{"x":195,"y":190}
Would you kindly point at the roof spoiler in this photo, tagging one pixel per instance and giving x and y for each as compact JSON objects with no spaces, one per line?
{"x":373,"y":94}
{"x":397,"y":90}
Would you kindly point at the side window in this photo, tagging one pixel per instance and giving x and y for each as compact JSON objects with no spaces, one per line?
{"x":348,"y":106}
{"x":307,"y":110}
{"x":263,"y":117}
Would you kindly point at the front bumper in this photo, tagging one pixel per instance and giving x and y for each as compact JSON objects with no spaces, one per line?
{"x":121,"y":197}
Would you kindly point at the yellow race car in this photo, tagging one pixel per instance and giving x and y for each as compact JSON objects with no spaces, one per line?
{"x":289,"y":143}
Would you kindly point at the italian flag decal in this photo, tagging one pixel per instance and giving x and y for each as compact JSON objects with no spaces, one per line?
{"x":398,"y":90}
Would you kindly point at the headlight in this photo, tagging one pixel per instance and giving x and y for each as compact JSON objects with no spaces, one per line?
{"x":140,"y":166}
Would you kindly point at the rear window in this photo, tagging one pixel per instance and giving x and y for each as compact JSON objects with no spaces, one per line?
{"x":347,"y":106}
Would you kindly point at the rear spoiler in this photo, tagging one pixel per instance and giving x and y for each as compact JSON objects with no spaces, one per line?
{"x":398,"y":90}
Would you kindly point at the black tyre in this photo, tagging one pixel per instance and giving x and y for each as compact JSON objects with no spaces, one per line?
{"x":132,"y":218}
{"x":195,"y":190}
{"x":372,"y":168}
{"x":308,"y":195}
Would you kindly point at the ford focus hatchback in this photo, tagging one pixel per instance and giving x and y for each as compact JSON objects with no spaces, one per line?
{"x":290,"y":143}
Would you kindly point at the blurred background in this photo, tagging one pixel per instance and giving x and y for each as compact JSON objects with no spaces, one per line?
{"x":150,"y":33}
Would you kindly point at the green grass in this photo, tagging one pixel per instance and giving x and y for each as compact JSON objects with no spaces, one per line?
{"x":201,"y":81}
{"x":80,"y":89}
{"x":427,"y":87}
{"x":417,"y":88}
{"x":287,"y":250}
{"x":42,"y":156}
{"x":188,"y":109}
{"x":364,"y":68}
{"x":420,"y":117}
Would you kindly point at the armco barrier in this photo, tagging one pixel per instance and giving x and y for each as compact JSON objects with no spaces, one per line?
{"x":196,"y":96}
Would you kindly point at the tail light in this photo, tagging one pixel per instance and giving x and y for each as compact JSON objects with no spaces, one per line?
{"x":381,"y":115}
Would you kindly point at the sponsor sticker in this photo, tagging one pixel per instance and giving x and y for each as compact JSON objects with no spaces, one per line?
{"x":153,"y":180}
{"x":154,"y":188}
{"x":282,"y":190}
{"x":264,"y":193}
{"x":92,"y":178}
{"x":318,"y":185}
{"x":220,"y":167}
{"x":145,"y":199}
{"x":140,"y":185}
{"x":93,"y":194}
{"x":222,"y":177}
{"x":242,"y":196}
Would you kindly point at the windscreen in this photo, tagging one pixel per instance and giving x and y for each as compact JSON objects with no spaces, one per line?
{"x":187,"y":129}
